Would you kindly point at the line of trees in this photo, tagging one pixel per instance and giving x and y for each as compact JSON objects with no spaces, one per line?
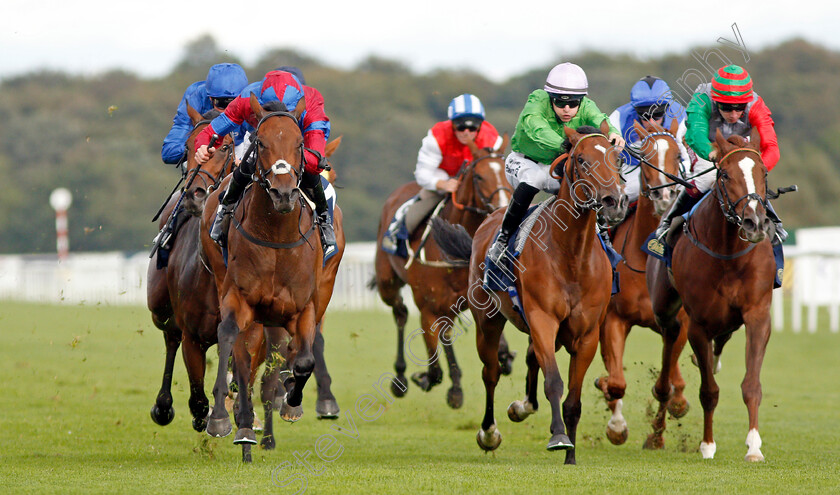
{"x":100,"y":136}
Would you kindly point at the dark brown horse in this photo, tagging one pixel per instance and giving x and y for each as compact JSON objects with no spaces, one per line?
{"x":722,"y":274}
{"x":564,"y":280}
{"x":182,"y":295}
{"x":631,"y":306}
{"x":438,"y":286}
{"x":274,"y":276}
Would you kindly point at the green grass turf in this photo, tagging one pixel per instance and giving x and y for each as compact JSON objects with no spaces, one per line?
{"x":82,"y":379}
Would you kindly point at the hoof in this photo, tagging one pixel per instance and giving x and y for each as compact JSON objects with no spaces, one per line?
{"x":200,"y":424}
{"x":326,"y":409}
{"x":759,"y":457}
{"x":399,"y":386}
{"x":267,"y":442}
{"x":490,"y":439}
{"x":219,"y":427}
{"x":559,"y":442}
{"x":518,"y":410}
{"x":455,"y":397}
{"x":617,"y":437}
{"x":289,"y":413}
{"x":654,"y":442}
{"x":422,"y":380}
{"x":162,"y":416}
{"x":245,"y":435}
{"x":678,"y":409}
{"x":506,"y":362}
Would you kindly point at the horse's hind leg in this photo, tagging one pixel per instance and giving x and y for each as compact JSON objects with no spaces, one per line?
{"x":488,"y":332}
{"x":455,"y":395}
{"x":326,"y":407}
{"x":613,"y":336}
{"x":162,"y":412}
{"x":270,"y":379}
{"x":758,"y":334}
{"x":518,"y":410}
{"x":389,"y":287}
{"x":195,"y":361}
{"x":506,"y":356}
{"x":580,"y":360}
{"x":431,"y":325}
{"x":678,"y":405}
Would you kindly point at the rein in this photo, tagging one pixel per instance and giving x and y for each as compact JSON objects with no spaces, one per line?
{"x":486,"y":207}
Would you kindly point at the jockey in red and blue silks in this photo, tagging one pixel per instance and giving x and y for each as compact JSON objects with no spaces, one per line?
{"x":222,"y":85}
{"x":650,"y":100}
{"x":286,"y":88}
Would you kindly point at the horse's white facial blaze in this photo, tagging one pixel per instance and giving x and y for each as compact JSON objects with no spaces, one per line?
{"x":281,"y":167}
{"x":617,"y":422}
{"x":746,"y":164}
{"x":708,"y":450}
{"x":498,"y":170}
{"x":601,"y":149}
{"x":661,"y":149}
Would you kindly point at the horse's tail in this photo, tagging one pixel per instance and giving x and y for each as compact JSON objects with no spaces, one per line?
{"x":453,"y":240}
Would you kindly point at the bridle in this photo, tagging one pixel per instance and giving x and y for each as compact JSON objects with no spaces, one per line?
{"x":646,"y":189}
{"x":199,"y":172}
{"x":729,"y":207}
{"x":281,"y":166}
{"x":485,"y":202}
{"x":577,"y":160}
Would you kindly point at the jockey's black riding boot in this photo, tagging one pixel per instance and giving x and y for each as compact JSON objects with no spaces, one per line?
{"x":239,"y":180}
{"x":516,"y":211}
{"x":781,"y":234}
{"x":682,"y":205}
{"x":311,"y":184}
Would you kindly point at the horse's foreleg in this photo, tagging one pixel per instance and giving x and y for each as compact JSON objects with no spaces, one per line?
{"x":219,"y":423}
{"x":244,"y":412}
{"x":518,"y":410}
{"x":162,"y":412}
{"x":613,"y":335}
{"x":195,"y":360}
{"x":270,"y":379}
{"x":326,"y":407}
{"x":709,"y":390}
{"x":579,"y":362}
{"x":302,"y":329}
{"x":487,"y":334}
{"x":543,"y":335}
{"x":758,"y":334}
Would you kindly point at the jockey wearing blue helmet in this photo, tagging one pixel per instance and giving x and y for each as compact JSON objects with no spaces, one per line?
{"x":222,"y":85}
{"x":650,"y":100}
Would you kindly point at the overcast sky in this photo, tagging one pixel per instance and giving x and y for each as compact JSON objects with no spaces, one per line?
{"x":496,"y":38}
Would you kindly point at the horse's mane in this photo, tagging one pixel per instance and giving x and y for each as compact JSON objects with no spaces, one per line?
{"x":737,"y":140}
{"x":275,"y":106}
{"x":211,"y":114}
{"x":584,"y":129}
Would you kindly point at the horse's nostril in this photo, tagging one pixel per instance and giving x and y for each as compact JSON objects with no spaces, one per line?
{"x":749,"y":225}
{"x":608,"y":202}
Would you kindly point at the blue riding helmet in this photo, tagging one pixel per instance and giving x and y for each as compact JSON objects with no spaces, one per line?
{"x":291,"y":69}
{"x":465,"y":105}
{"x":648,"y":91}
{"x":225,"y":81}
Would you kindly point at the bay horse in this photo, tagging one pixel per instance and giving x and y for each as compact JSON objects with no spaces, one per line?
{"x":660,"y":166}
{"x":564,"y":280}
{"x":275,"y":275}
{"x":722,"y":274}
{"x":437,"y":285}
{"x":181,"y":296}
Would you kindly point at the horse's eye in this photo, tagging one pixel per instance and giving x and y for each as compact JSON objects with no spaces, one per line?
{"x":580,"y":160}
{"x":724,"y":175}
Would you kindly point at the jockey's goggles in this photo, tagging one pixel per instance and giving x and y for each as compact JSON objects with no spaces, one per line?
{"x":466,"y":123}
{"x":222,"y":102}
{"x":732,"y":107}
{"x":572,"y":101}
{"x":651,"y":112}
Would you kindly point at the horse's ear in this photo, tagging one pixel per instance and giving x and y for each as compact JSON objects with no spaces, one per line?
{"x":641,"y":131}
{"x":571,"y":134}
{"x":332,"y":146}
{"x":722,"y":144}
{"x":256,"y":107}
{"x":505,"y":143}
{"x":300,"y":108}
{"x":675,"y":127}
{"x":755,"y":139}
{"x":195,"y":117}
{"x":473,"y":147}
{"x":605,"y":127}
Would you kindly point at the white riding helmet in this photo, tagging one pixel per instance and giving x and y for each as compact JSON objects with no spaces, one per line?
{"x":566,"y":78}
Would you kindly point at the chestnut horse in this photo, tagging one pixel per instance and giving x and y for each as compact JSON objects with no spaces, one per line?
{"x":275,"y":275}
{"x":564,"y":280}
{"x":660,"y":167}
{"x":182,"y":296}
{"x":439,"y":286}
{"x":722,"y":273}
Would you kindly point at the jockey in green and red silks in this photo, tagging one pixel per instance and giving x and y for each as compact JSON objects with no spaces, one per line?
{"x":727,"y":103}
{"x":277,"y":86}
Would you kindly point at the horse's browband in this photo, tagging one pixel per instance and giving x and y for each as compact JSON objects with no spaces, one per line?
{"x":737,"y":150}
